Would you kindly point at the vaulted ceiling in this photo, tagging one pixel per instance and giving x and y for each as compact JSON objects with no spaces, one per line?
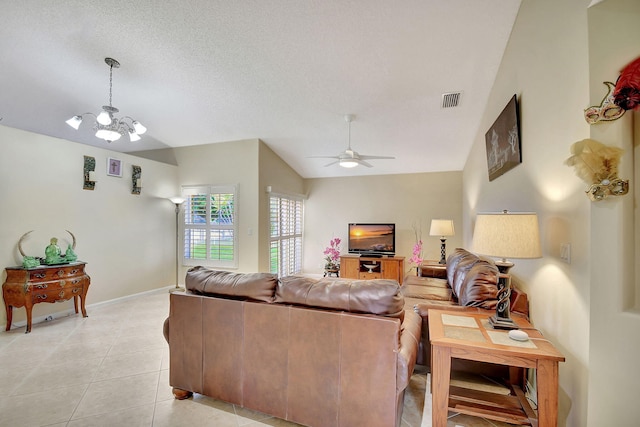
{"x":284,"y":71}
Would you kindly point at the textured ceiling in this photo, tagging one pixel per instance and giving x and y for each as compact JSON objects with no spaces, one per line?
{"x":203,"y":71}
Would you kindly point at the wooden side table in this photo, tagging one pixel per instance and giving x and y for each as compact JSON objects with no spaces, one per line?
{"x":467,"y":335}
{"x":26,"y":287}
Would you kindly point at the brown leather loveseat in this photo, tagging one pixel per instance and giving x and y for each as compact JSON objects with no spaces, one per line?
{"x":313,"y":351}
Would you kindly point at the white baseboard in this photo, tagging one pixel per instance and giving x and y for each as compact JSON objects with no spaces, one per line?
{"x":71,"y":311}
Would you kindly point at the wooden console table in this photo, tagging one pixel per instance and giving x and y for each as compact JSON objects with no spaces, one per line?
{"x":25,"y":287}
{"x":467,"y":335}
{"x":365,"y":268}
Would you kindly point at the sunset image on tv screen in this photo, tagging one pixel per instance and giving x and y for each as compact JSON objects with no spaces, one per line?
{"x":371,"y":237}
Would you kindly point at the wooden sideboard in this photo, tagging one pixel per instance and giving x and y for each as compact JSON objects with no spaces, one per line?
{"x":364,"y":268}
{"x":26,"y":287}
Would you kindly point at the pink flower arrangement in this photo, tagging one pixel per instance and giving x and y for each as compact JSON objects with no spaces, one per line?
{"x":332,"y":252}
{"x":416,"y":258}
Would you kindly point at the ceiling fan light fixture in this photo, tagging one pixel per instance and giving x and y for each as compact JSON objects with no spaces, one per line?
{"x":107,"y":126}
{"x":350,"y":158}
{"x":348,"y":163}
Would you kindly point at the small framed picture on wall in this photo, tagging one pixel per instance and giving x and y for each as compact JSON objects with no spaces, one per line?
{"x":114,"y":167}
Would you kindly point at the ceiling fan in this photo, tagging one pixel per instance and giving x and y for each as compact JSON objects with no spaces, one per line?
{"x":350,"y":158}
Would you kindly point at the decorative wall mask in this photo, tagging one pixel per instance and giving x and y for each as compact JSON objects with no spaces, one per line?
{"x":622,"y":96}
{"x":607,"y":110}
{"x":597,"y":165}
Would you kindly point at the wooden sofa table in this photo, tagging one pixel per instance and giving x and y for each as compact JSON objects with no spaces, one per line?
{"x":467,"y":335}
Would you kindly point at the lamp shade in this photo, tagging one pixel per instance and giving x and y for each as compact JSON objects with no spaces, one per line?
{"x":104,"y":118}
{"x":507,"y":235}
{"x":441,"y":227}
{"x":74,"y":122}
{"x":177,"y":200}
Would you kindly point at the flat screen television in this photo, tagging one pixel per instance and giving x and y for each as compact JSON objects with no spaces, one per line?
{"x":372,"y":239}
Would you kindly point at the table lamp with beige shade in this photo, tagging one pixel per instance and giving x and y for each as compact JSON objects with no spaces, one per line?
{"x":506,"y":235}
{"x":442,"y":228}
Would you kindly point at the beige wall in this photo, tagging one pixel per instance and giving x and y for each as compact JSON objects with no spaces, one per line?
{"x":614,"y":41}
{"x":228,"y":163}
{"x":402,"y":199}
{"x":127,"y":240}
{"x":577,"y":305}
{"x":252,"y":166}
{"x":280,"y":178}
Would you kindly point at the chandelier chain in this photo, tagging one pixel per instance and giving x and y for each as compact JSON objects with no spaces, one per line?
{"x":110,"y":83}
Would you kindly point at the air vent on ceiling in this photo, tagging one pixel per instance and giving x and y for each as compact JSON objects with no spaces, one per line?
{"x":451,"y":99}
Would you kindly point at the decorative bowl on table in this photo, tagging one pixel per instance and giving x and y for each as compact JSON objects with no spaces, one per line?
{"x":370,"y":267}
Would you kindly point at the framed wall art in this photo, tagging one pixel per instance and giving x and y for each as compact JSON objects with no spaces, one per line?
{"x":114,"y":167}
{"x":503,"y":141}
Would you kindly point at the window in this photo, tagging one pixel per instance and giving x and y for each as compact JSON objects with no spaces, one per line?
{"x":210,"y":226}
{"x":285,"y":237}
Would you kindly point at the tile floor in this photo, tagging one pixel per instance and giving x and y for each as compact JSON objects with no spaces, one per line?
{"x":111,"y":369}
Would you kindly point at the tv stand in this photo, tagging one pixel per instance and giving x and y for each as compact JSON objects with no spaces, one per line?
{"x":372,"y":267}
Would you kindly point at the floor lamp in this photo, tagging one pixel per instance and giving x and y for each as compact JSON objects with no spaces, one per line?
{"x":442,"y":228}
{"x":506,"y":235}
{"x":177,"y":201}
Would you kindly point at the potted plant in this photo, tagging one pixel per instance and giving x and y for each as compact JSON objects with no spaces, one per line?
{"x":332,"y":256}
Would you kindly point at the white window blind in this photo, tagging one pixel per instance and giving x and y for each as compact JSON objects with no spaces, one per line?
{"x":210,"y":226}
{"x":285,"y":238}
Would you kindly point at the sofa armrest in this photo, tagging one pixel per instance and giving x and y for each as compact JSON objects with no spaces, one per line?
{"x":408,"y":351}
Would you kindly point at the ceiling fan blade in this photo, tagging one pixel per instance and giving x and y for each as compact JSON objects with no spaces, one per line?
{"x":363,"y":163}
{"x":365,"y":157}
{"x":323,"y":157}
{"x":332,"y":163}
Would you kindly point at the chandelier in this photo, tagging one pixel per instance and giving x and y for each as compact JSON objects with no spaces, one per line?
{"x":107,"y":126}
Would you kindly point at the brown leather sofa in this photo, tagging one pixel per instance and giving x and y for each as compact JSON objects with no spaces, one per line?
{"x":470,"y":285}
{"x":313,"y":351}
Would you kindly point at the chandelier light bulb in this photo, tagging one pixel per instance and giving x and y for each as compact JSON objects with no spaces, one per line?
{"x":133,"y":136}
{"x":74,"y":122}
{"x":108,"y":135}
{"x":140,"y":129}
{"x":104,"y":118}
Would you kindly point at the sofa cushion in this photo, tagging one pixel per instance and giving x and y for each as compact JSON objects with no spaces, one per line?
{"x":473,"y":279}
{"x":377,"y":296}
{"x":426,"y":288}
{"x":257,"y":286}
